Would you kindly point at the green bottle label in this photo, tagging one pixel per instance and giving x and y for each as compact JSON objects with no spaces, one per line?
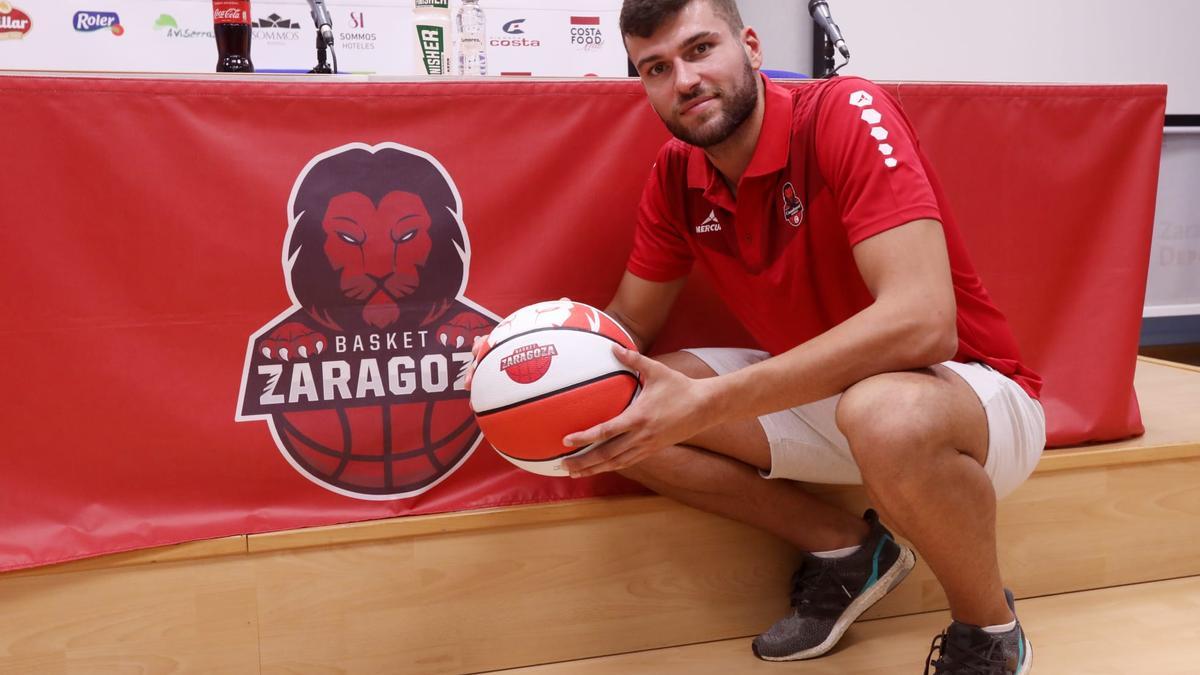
{"x":436,"y":4}
{"x":433,"y":48}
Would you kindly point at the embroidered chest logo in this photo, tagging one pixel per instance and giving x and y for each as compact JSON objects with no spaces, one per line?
{"x":710,"y":224}
{"x":793,"y":208}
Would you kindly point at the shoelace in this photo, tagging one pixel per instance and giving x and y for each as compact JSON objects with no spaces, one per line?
{"x":816,"y":584}
{"x":955,"y":659}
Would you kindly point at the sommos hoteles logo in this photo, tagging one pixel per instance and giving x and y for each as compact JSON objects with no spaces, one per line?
{"x":361,"y":379}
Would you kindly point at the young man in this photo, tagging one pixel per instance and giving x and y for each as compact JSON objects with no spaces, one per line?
{"x":886,"y":362}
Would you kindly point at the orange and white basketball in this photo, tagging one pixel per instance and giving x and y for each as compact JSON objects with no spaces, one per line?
{"x":547,"y":370}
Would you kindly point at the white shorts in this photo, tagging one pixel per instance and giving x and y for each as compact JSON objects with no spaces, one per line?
{"x":807,"y":446}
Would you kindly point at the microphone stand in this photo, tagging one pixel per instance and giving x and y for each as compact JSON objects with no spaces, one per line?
{"x":322,"y":67}
{"x":823,"y":53}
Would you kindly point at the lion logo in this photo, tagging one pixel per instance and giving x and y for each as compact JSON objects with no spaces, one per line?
{"x":361,"y":379}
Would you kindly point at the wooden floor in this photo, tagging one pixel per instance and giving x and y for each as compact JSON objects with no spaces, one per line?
{"x":1127,"y":630}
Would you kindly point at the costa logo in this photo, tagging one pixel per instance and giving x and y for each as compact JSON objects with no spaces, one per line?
{"x":529,"y":363}
{"x":14,"y":24}
{"x":361,"y":380}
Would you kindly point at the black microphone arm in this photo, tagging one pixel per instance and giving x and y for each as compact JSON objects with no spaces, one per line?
{"x":321,"y":19}
{"x":819,"y":9}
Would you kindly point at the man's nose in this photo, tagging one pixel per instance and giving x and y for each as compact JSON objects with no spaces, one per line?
{"x":687,"y":77}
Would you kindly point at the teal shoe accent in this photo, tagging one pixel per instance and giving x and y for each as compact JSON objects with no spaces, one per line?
{"x":875,"y":563}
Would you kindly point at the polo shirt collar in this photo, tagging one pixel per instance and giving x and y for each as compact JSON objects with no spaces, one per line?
{"x":770,"y":152}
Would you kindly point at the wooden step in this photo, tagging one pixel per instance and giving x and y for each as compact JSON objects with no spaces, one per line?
{"x":1142,"y":628}
{"x":520,"y":586}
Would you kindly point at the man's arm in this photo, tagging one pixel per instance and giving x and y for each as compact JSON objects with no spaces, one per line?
{"x":642,"y":306}
{"x":911,"y":324}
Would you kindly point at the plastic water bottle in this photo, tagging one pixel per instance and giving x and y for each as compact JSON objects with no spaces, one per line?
{"x":472,"y":39}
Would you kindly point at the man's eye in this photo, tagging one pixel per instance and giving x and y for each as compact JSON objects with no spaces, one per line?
{"x":657,"y":69}
{"x":701,"y":48}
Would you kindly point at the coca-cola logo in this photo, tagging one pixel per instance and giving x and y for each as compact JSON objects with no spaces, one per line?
{"x":14,"y":23}
{"x":231,"y":11}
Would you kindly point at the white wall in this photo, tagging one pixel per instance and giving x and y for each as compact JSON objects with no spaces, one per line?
{"x":785,"y":30}
{"x":1027,"y":40}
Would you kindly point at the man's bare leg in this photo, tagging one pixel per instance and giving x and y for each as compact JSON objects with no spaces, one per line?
{"x":920,"y":440}
{"x":725,"y":481}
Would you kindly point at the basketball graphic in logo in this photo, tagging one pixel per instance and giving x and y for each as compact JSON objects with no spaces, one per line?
{"x":361,"y":379}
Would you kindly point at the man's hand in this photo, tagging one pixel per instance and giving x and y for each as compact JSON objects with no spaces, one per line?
{"x":671,"y":408}
{"x":475,"y":349}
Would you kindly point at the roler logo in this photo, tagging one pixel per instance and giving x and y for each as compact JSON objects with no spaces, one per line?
{"x":14,"y":23}
{"x":362,"y":379}
{"x":88,"y":22}
{"x":529,"y":363}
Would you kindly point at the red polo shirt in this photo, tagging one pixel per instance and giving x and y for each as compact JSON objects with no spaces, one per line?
{"x":837,"y":162}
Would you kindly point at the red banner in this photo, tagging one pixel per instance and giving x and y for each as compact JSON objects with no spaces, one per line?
{"x":236,"y":307}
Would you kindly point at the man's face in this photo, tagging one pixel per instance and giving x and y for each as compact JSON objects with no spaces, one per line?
{"x":699,"y":76}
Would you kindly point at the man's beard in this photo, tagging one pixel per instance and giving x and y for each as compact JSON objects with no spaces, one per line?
{"x":737,"y":108}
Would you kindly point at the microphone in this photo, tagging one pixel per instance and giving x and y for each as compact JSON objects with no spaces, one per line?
{"x":320,"y":15}
{"x":819,"y":9}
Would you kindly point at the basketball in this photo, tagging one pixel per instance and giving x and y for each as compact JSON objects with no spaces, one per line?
{"x":547,"y":370}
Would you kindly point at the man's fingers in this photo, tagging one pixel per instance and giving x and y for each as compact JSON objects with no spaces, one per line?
{"x":601,"y":432}
{"x":635,"y":360}
{"x":595,"y":460}
{"x":615,"y":461}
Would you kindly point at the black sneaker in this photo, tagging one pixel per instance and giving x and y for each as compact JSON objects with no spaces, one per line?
{"x":829,"y":594}
{"x":969,"y":650}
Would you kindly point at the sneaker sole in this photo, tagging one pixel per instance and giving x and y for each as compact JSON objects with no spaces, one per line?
{"x":1028,"y":665}
{"x":890,"y":579}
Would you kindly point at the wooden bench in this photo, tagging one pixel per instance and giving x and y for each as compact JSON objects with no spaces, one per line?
{"x":505,"y":588}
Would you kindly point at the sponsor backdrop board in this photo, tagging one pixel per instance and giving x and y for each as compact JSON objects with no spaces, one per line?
{"x":242,"y":306}
{"x":560,"y":38}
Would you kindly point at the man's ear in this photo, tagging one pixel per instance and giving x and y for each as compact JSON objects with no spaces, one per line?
{"x":752,"y":46}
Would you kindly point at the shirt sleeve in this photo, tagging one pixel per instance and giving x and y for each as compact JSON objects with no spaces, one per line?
{"x":871,"y":160}
{"x":660,"y":251}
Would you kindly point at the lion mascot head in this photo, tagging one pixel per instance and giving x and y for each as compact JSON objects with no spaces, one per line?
{"x":377,"y":241}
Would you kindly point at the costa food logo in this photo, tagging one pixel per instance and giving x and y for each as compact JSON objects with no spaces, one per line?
{"x":361,"y":380}
{"x":527,"y":364}
{"x":14,"y":23}
{"x":586,"y":33}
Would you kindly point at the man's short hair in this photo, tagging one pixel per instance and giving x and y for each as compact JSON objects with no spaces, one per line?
{"x":641,"y":18}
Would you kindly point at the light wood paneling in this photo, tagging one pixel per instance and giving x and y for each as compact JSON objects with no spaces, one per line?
{"x":487,"y":599}
{"x":473,"y":601}
{"x":192,"y":550}
{"x":193,"y":616}
{"x":1146,"y":628}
